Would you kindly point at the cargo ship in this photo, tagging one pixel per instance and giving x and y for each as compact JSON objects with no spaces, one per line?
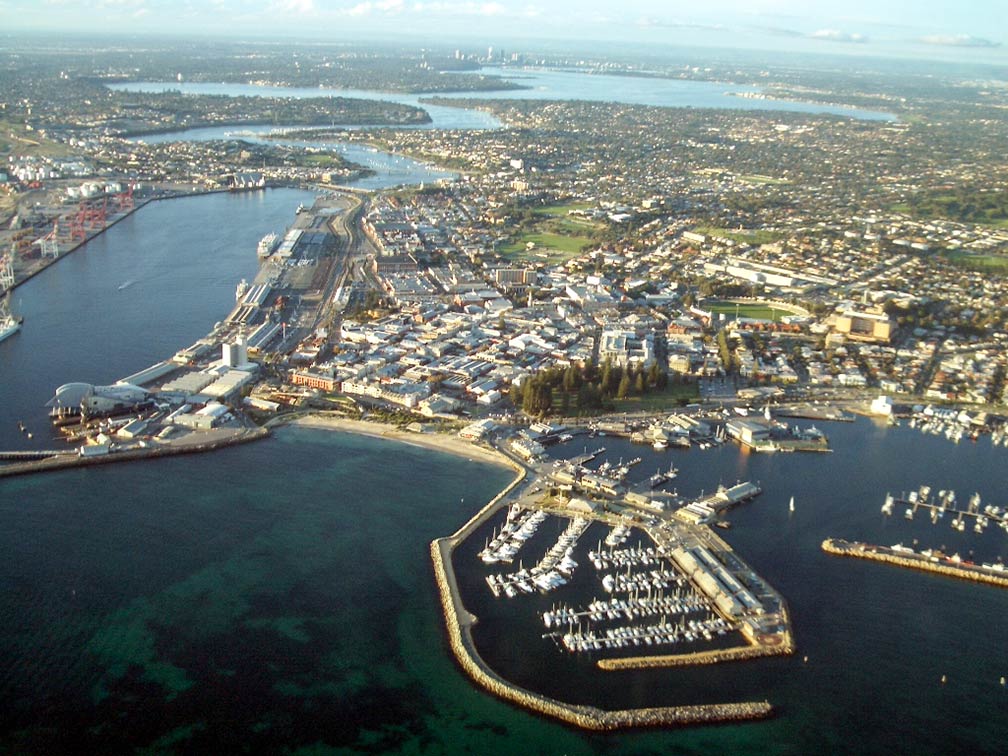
{"x":9,"y":323}
{"x":268,"y":245}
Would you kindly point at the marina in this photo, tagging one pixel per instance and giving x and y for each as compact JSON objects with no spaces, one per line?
{"x":657,"y":582}
{"x":684,"y":587}
{"x":975,"y":514}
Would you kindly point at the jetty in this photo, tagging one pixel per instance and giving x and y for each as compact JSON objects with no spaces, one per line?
{"x":944,"y":501}
{"x":928,"y":561}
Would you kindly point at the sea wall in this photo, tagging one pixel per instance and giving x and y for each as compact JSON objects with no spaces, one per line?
{"x":66,"y":462}
{"x":739,"y":653}
{"x":858,"y":551}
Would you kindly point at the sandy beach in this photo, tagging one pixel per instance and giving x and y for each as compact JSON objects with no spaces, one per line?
{"x":445,"y":442}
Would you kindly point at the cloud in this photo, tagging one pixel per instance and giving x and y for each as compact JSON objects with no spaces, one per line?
{"x":778,"y":31}
{"x":121,"y":5}
{"x":654,"y":23}
{"x":399,"y":7}
{"x":468,"y":9}
{"x":835,"y":35}
{"x":958,"y":40}
{"x":293,"y":7}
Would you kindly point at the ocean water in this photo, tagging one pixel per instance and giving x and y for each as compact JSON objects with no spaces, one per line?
{"x":269,"y":596}
{"x":279,"y":597}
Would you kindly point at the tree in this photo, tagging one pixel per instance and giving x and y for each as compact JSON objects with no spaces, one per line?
{"x":624,"y":387}
{"x":609,"y":381}
{"x":639,"y":386}
{"x":653,"y":373}
{"x":571,"y":379}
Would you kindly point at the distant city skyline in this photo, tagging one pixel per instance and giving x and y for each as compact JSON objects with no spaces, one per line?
{"x":935,"y":29}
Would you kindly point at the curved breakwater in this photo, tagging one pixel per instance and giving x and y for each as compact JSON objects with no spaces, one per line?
{"x":459,"y":622}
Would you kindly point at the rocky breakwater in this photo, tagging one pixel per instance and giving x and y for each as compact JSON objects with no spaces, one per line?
{"x":906,"y":557}
{"x":459,"y":623}
{"x":697,"y":659}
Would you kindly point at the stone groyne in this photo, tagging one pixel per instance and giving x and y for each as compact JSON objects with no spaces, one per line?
{"x":699,"y":658}
{"x":915,"y":562}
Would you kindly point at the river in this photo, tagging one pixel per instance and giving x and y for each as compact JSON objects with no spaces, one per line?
{"x":540,"y":84}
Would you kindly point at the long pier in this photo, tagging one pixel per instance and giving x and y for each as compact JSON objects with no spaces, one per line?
{"x":67,"y":460}
{"x":903,"y":556}
{"x":946,"y":502}
{"x":37,"y":454}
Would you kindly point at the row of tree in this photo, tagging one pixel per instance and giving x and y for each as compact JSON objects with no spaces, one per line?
{"x":582,"y":388}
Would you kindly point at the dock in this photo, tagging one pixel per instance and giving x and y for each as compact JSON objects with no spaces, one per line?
{"x":945,"y":502}
{"x":814,"y":412}
{"x":707,"y":508}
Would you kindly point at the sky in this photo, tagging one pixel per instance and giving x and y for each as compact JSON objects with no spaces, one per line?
{"x":968,"y":30}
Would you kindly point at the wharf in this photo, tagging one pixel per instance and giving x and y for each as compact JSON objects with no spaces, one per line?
{"x":36,"y":454}
{"x":814,"y":412}
{"x":907,"y":557}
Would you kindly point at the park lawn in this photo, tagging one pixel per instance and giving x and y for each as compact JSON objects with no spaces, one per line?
{"x":743,"y":235}
{"x":754,"y":310}
{"x":14,"y":137}
{"x":555,"y":248}
{"x":561,"y":211}
{"x":321,"y":160}
{"x":674,"y":395}
{"x":997,"y":263}
{"x":571,"y":225}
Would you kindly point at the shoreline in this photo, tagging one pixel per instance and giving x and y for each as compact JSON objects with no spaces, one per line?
{"x":443,"y":442}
